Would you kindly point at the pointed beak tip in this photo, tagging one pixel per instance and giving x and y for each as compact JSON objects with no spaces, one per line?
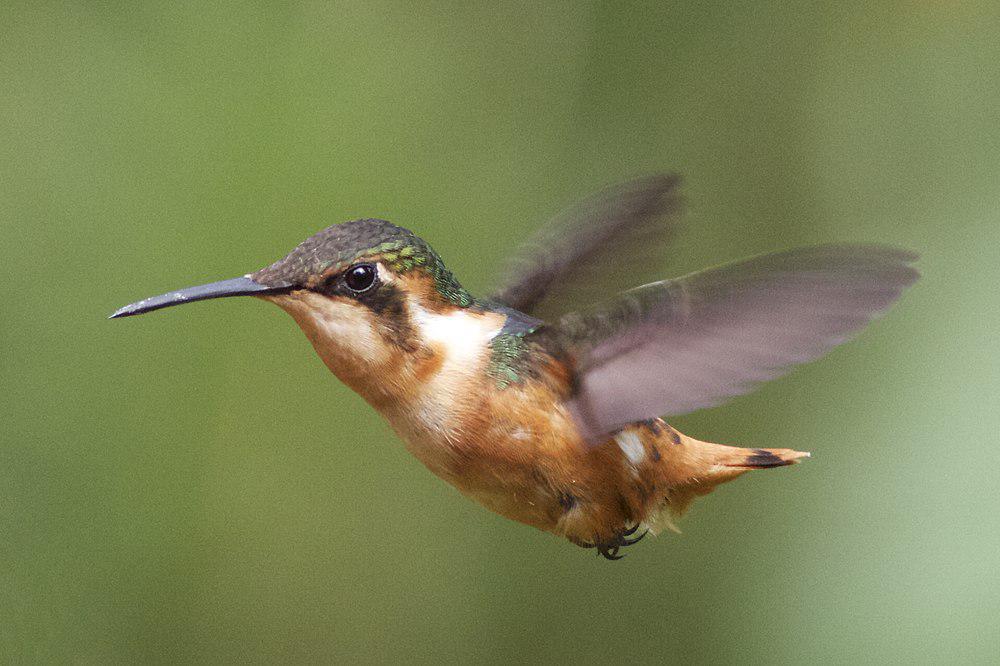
{"x":242,"y":286}
{"x":120,"y":312}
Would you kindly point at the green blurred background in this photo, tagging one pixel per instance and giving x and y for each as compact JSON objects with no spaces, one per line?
{"x":194,"y":486}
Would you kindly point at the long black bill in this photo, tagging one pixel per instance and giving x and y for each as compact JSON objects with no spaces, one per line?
{"x":241,"y":286}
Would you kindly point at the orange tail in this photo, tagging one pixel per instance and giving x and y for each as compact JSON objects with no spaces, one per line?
{"x":693,"y":468}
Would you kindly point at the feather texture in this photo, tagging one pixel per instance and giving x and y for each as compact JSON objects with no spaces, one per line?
{"x":674,"y":346}
{"x":585,"y":253}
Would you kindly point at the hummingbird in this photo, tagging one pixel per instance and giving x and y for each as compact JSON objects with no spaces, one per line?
{"x":545,"y":400}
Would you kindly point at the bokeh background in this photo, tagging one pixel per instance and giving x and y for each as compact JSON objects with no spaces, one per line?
{"x":194,"y":486}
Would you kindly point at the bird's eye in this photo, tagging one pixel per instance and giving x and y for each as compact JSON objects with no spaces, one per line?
{"x":360,"y":278}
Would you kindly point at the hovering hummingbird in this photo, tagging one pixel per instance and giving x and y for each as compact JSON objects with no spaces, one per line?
{"x":543,"y":401}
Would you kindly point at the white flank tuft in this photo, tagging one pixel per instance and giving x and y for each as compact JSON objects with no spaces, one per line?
{"x":631,"y":446}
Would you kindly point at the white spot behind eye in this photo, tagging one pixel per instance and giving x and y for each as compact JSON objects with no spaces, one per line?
{"x":464,"y":336}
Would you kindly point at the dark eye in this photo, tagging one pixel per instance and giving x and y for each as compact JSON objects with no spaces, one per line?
{"x":360,"y":278}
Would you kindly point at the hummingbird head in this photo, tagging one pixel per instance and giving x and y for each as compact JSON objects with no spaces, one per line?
{"x":341,"y":261}
{"x":371,"y":298}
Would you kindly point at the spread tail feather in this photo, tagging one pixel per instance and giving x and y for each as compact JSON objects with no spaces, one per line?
{"x":695,"y":468}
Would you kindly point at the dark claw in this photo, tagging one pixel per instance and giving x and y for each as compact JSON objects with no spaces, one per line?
{"x":629,"y":542}
{"x":609,"y":550}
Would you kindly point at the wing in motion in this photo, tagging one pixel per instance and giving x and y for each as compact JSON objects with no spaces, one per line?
{"x":678,"y":345}
{"x":583,"y":254}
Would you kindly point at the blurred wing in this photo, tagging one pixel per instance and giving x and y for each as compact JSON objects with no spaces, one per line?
{"x":583,"y":255}
{"x":678,"y":345}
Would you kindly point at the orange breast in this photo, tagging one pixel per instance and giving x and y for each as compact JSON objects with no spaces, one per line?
{"x":516,"y":450}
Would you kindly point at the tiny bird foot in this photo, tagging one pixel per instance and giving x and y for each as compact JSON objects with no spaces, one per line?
{"x":609,"y":549}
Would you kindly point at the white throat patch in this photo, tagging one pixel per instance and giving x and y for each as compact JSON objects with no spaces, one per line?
{"x":461,"y":335}
{"x":462,"y":338}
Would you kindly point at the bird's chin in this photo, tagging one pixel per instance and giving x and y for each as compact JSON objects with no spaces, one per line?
{"x":285,"y":300}
{"x":342,"y":331}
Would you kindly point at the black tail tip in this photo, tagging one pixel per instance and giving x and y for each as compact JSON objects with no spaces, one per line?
{"x":762,"y":459}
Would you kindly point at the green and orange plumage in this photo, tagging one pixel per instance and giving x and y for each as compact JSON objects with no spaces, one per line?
{"x":548,"y":412}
